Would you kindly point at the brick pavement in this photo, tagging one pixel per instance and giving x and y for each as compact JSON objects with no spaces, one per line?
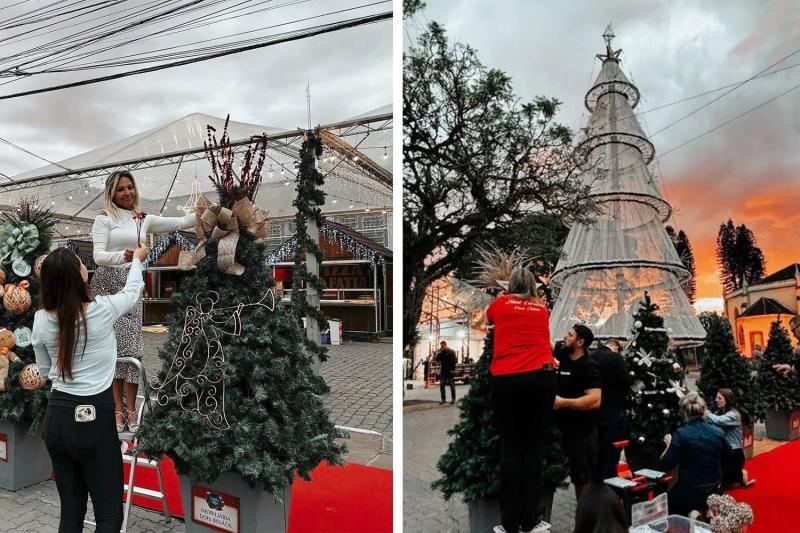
{"x":360,"y":377}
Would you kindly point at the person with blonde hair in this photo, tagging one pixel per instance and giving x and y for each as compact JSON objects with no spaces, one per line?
{"x":522,"y":395}
{"x":697,"y":449}
{"x":114,"y":236}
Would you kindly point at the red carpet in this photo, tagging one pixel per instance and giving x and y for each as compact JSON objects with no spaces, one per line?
{"x":347,"y":499}
{"x":775,"y":498}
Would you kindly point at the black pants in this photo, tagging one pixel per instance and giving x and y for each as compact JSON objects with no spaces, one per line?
{"x":523,"y":409}
{"x":445,"y":377}
{"x":86,"y":460}
{"x":612,"y":428}
{"x":732,"y":465}
{"x":581,"y":449}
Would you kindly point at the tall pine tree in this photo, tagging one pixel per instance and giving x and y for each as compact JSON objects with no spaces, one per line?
{"x":684,"y":248}
{"x":264,"y":417}
{"x":657,"y":385}
{"x":739,"y":258}
{"x":723,"y":366}
{"x":776,"y":391}
{"x":17,"y":405}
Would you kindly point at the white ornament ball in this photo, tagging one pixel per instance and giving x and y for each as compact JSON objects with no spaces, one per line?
{"x":649,"y":405}
{"x":638,"y":324}
{"x":632,"y":373}
{"x":641,"y":439}
{"x":666,"y":412}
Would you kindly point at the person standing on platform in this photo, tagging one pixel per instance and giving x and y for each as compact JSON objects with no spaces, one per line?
{"x":523,"y":391}
{"x":612,"y":426}
{"x":446,"y":358}
{"x":114,"y":236}
{"x":73,"y":339}
{"x":577,"y":401}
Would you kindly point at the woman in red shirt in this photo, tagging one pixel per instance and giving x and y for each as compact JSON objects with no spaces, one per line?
{"x":523,"y":393}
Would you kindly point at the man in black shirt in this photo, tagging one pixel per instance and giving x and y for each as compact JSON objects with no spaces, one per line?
{"x":578,"y":397}
{"x":447,"y":359}
{"x":611,"y":425}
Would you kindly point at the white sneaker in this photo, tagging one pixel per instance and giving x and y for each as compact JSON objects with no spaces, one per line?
{"x":541,"y":527}
{"x":499,"y":529}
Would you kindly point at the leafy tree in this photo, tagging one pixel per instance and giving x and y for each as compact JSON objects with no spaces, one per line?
{"x":475,"y":162}
{"x":410,"y":7}
{"x":724,"y":366}
{"x":777,"y":391}
{"x":739,"y":258}
{"x":684,"y":248}
{"x":471,"y":464}
{"x":656,"y":384}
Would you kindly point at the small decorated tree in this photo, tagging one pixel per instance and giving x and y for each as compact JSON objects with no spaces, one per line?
{"x":778,"y":394}
{"x":237,"y":391}
{"x":25,"y":237}
{"x":656,"y":386}
{"x":724,"y":367}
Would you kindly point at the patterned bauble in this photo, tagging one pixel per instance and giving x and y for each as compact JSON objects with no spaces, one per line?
{"x":17,"y":299}
{"x":30,"y":378}
{"x":7,"y":339}
{"x":37,"y":265}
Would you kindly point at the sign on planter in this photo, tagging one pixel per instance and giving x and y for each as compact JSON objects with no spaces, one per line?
{"x":3,"y":447}
{"x":215,"y":510}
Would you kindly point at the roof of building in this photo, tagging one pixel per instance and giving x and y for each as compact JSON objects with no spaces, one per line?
{"x":358,"y":237}
{"x":767,"y":306}
{"x":784,"y":274}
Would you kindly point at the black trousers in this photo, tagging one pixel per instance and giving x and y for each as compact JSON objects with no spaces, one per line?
{"x":612,"y":428}
{"x":86,"y":460}
{"x":523,"y":410}
{"x":732,"y":465}
{"x":446,"y":377}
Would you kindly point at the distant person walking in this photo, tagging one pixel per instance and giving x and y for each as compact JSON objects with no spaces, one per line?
{"x":446,"y":358}
{"x":612,"y":426}
{"x":730,"y":421}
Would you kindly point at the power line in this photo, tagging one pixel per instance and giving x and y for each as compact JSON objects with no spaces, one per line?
{"x":319,"y":30}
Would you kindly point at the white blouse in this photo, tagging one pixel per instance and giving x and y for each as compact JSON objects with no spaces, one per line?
{"x":92,"y":368}
{"x":111,"y":236}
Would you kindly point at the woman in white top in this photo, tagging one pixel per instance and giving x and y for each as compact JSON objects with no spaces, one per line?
{"x":114,"y":237}
{"x":73,"y":339}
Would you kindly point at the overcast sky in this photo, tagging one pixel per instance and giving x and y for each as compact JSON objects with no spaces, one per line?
{"x":749,"y":170}
{"x":350,"y":73}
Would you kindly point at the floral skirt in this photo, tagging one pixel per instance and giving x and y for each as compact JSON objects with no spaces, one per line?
{"x":128,"y":328}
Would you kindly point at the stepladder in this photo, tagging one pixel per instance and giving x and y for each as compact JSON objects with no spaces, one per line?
{"x":128,"y":447}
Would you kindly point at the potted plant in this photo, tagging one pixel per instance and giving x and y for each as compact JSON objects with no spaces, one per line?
{"x":779,"y":395}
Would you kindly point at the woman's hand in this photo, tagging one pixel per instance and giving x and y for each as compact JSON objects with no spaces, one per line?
{"x":783,"y":369}
{"x":128,"y":255}
{"x":141,"y":252}
{"x":667,"y":440}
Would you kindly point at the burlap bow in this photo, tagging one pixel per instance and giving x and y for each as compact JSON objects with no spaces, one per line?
{"x":16,"y":242}
{"x":224,"y":225}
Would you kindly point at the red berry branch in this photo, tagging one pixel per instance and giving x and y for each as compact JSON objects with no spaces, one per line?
{"x":221,"y":155}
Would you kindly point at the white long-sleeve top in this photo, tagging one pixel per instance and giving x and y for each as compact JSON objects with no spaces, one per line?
{"x":92,"y":368}
{"x":111,"y":236}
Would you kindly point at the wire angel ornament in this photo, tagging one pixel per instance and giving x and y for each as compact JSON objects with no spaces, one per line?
{"x":200,"y":385}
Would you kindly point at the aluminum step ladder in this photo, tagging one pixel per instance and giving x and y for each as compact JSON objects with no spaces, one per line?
{"x":134,"y":460}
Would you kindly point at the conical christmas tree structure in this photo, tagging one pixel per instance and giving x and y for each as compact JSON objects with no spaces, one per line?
{"x":626,"y":250}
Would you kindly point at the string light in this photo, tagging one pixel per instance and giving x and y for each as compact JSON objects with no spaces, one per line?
{"x":335,"y":236}
{"x":164,"y":243}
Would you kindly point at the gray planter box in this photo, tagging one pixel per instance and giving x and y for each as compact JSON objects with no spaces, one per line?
{"x":28,"y":462}
{"x":258,"y":512}
{"x":483,"y":516}
{"x":783,"y":425}
{"x":747,"y":434}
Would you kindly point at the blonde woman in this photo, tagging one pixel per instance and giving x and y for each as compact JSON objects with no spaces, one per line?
{"x":114,"y":236}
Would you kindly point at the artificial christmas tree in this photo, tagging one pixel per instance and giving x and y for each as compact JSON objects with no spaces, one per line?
{"x":238,"y":402}
{"x":471,"y":464}
{"x":625,"y":249}
{"x":25,"y":236}
{"x":656,"y":390}
{"x":779,"y":396}
{"x":723,"y":366}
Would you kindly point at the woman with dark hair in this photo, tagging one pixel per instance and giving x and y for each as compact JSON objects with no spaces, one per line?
{"x":73,"y":339}
{"x":522,"y":397}
{"x":697,"y":450}
{"x":730,"y":421}
{"x":599,"y":511}
{"x":114,"y":236}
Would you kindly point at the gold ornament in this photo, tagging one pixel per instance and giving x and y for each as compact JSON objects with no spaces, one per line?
{"x":17,"y":299}
{"x":6,"y":357}
{"x":30,"y":378}
{"x":2,"y":276}
{"x":7,"y":339}
{"x":37,"y":265}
